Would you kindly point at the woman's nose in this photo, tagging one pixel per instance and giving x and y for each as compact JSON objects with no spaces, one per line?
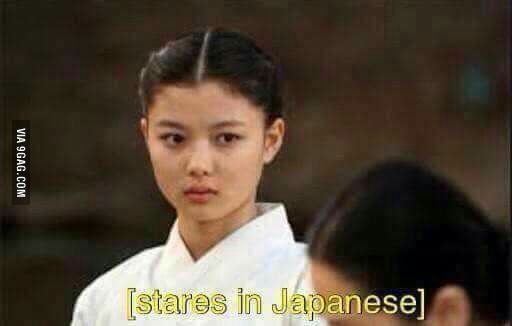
{"x":200,"y":161}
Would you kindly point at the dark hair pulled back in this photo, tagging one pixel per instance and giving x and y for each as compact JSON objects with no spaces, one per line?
{"x":215,"y":54}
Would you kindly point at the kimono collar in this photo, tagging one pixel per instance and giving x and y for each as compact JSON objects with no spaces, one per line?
{"x":270,"y":228}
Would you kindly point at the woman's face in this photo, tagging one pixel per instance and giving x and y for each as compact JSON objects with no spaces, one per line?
{"x":328,"y":282}
{"x":208,"y":146}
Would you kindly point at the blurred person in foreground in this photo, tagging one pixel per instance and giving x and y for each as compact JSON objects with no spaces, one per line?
{"x":401,"y":228}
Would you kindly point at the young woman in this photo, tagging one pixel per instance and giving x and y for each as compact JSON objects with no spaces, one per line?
{"x":212,"y":118}
{"x":399,"y":228}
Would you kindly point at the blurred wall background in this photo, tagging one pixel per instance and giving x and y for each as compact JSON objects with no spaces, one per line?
{"x":366,"y":81}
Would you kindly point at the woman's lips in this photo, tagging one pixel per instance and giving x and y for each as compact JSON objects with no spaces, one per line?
{"x":200,"y":195}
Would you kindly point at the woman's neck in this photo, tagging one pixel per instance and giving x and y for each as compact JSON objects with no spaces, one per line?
{"x":201,"y":236}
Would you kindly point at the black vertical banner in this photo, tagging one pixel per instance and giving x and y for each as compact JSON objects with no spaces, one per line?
{"x":21,"y":162}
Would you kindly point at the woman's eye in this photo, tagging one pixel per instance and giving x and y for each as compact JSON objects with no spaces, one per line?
{"x":173,"y":139}
{"x":227,"y":138}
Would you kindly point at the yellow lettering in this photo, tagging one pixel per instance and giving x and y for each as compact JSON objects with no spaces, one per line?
{"x":316,"y":305}
{"x":390,"y":301}
{"x":171,"y":304}
{"x":335,"y":305}
{"x":200,"y":304}
{"x":155,"y":303}
{"x":248,"y":299}
{"x":284,"y":303}
{"x":348,"y":303}
{"x":129,"y":298}
{"x":298,"y":304}
{"x":372,"y":301}
{"x":143,"y":304}
{"x":408,"y":301}
{"x":184,"y":302}
{"x":218,"y":304}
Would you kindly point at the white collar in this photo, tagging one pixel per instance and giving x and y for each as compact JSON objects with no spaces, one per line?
{"x":268,"y":229}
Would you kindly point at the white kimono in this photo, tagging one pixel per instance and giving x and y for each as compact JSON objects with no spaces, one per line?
{"x":261,"y":257}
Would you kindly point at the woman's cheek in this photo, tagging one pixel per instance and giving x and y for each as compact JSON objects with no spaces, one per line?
{"x":248,"y":173}
{"x":156,"y":154}
{"x":167,"y":175}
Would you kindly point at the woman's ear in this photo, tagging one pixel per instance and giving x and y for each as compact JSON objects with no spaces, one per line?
{"x":274,"y":135}
{"x":143,"y":125}
{"x":450,"y":306}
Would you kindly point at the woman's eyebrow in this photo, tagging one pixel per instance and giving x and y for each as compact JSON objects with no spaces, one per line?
{"x":170,"y":123}
{"x":228,"y":123}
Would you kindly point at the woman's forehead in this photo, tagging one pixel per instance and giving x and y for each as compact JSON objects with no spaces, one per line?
{"x":208,"y":103}
{"x":203,"y":93}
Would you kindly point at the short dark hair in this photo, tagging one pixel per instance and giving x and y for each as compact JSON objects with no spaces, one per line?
{"x":217,"y":54}
{"x":399,"y":226}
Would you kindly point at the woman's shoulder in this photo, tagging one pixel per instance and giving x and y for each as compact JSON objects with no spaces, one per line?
{"x":285,"y":263}
{"x":297,"y":251}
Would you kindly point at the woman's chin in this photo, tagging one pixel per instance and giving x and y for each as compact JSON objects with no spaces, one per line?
{"x":200,"y":213}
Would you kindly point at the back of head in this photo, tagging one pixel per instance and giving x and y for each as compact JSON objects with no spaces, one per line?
{"x":401,"y":227}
